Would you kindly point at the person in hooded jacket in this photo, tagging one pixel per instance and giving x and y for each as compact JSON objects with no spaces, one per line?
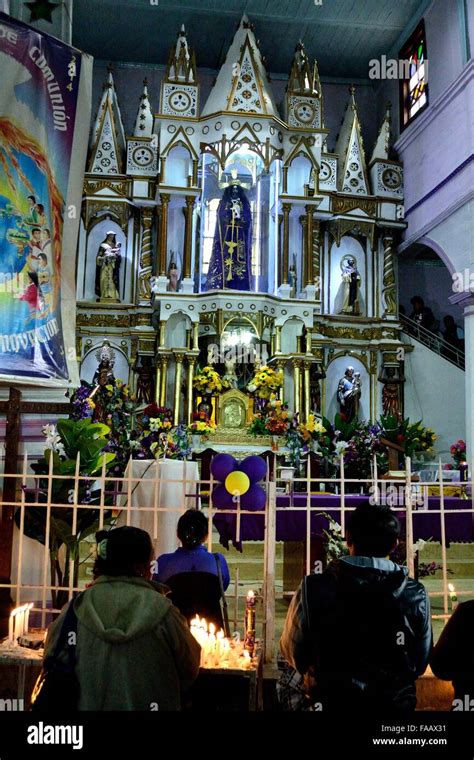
{"x":360,"y":632}
{"x":134,"y":648}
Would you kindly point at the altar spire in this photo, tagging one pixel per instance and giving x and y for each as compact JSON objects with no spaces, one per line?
{"x":350,"y":147}
{"x":304,"y":78}
{"x":144,"y":120}
{"x":181,"y":65}
{"x":383,"y":142}
{"x":107,"y":146}
{"x":242,"y":84}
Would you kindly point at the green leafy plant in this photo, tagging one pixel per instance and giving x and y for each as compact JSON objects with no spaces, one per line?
{"x":71,"y":442}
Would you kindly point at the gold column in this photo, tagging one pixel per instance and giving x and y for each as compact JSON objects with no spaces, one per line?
{"x":297,"y":383}
{"x":177,"y":386}
{"x":389,"y":289}
{"x":303,"y":220}
{"x":278,"y":339}
{"x":309,"y":278}
{"x":164,"y":373}
{"x":196,"y":336}
{"x":284,"y":179}
{"x":144,"y":287}
{"x":158,"y":380}
{"x":188,"y":234}
{"x":281,"y":391}
{"x":286,"y":242}
{"x":309,"y":337}
{"x":189,"y":411}
{"x":162,"y":334}
{"x":280,"y":248}
{"x":317,"y":257}
{"x":165,"y":199}
{"x":307,"y":369}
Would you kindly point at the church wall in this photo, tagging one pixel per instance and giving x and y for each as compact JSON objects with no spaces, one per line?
{"x":434,"y":393}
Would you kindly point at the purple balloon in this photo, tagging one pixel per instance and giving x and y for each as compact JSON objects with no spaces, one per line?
{"x":254,"y":467}
{"x":222,"y":499}
{"x":254,"y":499}
{"x":222,"y":465}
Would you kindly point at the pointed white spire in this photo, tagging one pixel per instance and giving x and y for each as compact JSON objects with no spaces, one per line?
{"x":304,"y":78}
{"x":108,"y":136}
{"x":383,"y":142}
{"x":352,"y":168}
{"x":144,"y":121}
{"x":242,"y":84}
{"x":181,"y":62}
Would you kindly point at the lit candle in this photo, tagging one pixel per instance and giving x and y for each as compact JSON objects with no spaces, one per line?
{"x":11,"y":627}
{"x":27,"y":617}
{"x":453,"y":596}
{"x":249,"y":641}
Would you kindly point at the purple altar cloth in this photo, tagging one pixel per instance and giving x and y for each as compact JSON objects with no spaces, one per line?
{"x":291,"y":521}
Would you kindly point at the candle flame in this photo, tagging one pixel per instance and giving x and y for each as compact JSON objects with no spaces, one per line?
{"x":451,"y":587}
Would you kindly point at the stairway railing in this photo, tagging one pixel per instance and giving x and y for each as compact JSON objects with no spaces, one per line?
{"x":433,"y":341}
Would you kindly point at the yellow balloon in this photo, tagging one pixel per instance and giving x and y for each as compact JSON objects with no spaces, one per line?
{"x":237,"y":483}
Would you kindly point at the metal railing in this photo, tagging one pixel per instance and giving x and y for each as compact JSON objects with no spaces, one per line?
{"x":433,"y":341}
{"x":148,"y":503}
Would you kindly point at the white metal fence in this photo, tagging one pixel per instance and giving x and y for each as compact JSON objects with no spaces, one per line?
{"x":116,"y":493}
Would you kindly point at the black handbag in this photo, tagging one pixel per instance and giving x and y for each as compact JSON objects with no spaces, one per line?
{"x":57,"y":686}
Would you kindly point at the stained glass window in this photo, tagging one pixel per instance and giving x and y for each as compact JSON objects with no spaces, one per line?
{"x":414,"y":84}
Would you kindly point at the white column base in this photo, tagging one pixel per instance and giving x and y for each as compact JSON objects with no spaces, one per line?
{"x":284,"y":290}
{"x":187,"y":285}
{"x":310,"y":292}
{"x":159,"y":284}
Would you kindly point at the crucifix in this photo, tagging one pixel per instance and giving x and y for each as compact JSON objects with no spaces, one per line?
{"x":13,"y":409}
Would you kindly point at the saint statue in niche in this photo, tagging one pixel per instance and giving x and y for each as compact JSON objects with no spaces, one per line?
{"x":230,"y":263}
{"x":173,"y":274}
{"x":351,"y":279}
{"x":348,"y":394}
{"x":107,"y":273}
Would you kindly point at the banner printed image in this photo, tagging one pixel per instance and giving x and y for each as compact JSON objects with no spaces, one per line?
{"x":37,"y":115}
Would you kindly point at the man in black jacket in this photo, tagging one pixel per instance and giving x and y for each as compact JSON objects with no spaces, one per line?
{"x":362,"y":629}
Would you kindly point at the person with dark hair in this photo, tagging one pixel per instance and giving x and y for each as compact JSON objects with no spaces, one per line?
{"x":361,"y":630}
{"x":453,"y":656}
{"x":134,"y":649}
{"x":453,"y":334}
{"x":196,"y":577}
{"x":422,"y":314}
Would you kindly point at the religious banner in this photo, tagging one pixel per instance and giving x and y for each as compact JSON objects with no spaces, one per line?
{"x":45,"y":98}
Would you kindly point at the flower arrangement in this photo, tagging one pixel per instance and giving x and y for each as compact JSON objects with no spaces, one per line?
{"x":265,"y":382}
{"x":312,"y":430}
{"x":201,"y":425}
{"x":278,"y":418}
{"x":458,"y":452}
{"x":172,"y":445}
{"x":113,"y":405}
{"x":208,"y":381}
{"x":154,"y":421}
{"x":412,"y":437}
{"x":333,"y":539}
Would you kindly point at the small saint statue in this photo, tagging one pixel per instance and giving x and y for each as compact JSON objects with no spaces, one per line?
{"x":293,"y":279}
{"x":348,"y":394}
{"x":230,"y":374}
{"x":351,"y":279}
{"x":173,"y":276}
{"x":108,"y":261}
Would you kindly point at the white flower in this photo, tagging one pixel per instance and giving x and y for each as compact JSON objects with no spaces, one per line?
{"x":341,"y":446}
{"x":53,"y":439}
{"x":155,"y":424}
{"x":252,"y":388}
{"x":419,"y":545}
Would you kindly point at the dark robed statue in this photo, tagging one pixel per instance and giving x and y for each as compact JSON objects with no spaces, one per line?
{"x":230,"y":264}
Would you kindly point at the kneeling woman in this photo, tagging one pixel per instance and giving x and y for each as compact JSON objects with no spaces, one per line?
{"x":196,"y":577}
